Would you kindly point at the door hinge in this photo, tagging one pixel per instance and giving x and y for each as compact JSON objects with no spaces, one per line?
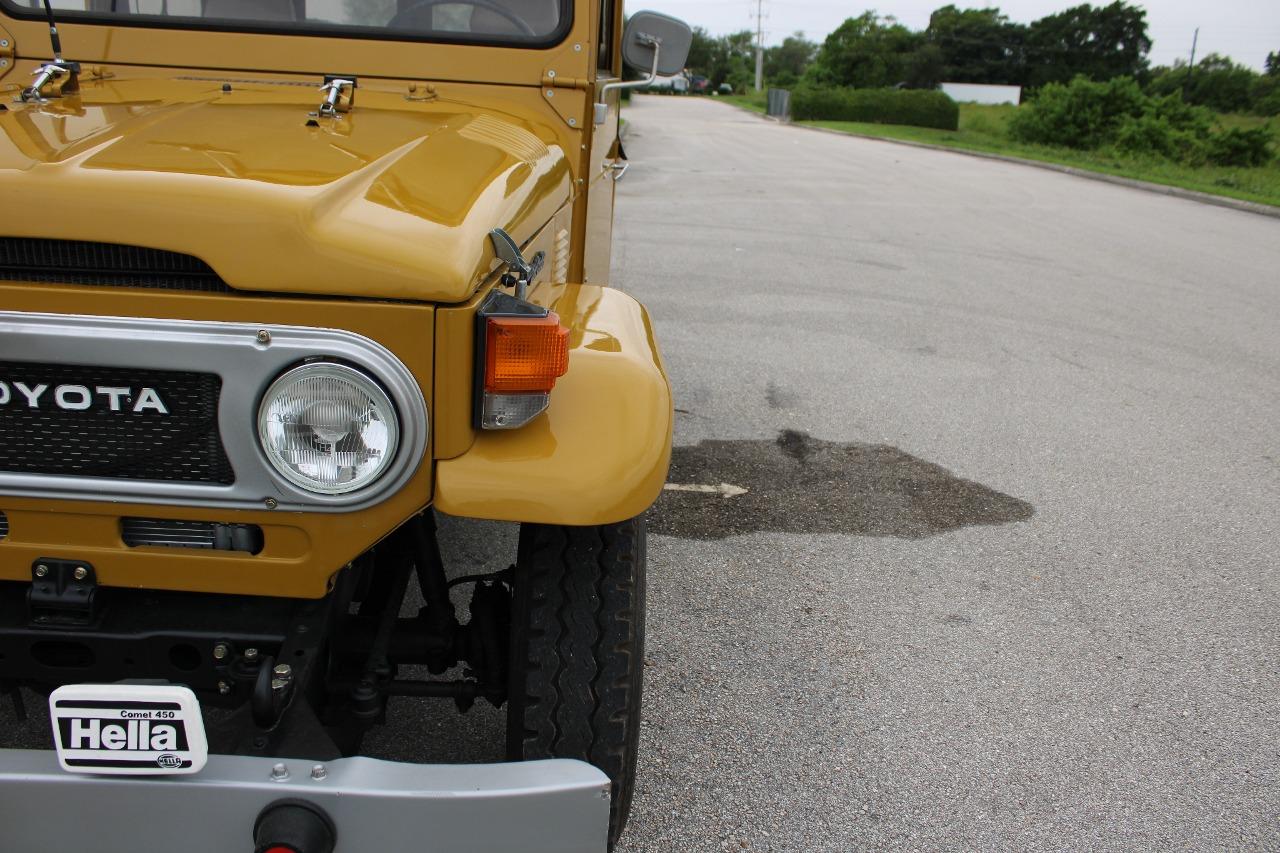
{"x":6,"y":52}
{"x":552,"y":80}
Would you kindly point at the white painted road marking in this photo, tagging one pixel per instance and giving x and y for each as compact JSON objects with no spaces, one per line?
{"x":724,"y":489}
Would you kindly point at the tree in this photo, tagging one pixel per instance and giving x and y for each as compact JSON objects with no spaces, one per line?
{"x":785,"y":64}
{"x":722,"y":59}
{"x":1097,"y":42}
{"x":926,"y":68}
{"x":866,"y":52}
{"x":735,"y":61}
{"x":1215,"y":82}
{"x":1265,"y":94}
{"x":701,"y":52}
{"x":977,"y":45}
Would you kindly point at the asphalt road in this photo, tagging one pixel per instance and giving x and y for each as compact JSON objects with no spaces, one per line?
{"x":1007,"y":577}
{"x":1005,"y":573}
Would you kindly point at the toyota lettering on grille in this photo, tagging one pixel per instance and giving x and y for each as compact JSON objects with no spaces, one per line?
{"x":80,"y":398}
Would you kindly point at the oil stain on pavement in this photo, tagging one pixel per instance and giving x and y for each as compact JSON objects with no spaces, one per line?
{"x":799,"y":484}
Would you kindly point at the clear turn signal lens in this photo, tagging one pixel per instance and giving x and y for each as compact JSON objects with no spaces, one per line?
{"x":508,"y":411}
{"x":328,"y":428}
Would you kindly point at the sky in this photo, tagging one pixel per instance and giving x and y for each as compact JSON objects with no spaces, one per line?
{"x":1245,"y":30}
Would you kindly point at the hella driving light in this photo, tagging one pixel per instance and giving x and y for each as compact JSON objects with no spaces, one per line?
{"x":328,"y":428}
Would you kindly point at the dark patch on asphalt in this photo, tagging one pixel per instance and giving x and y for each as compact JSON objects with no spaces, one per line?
{"x":795,"y":444}
{"x":780,"y":398}
{"x":799,"y":484}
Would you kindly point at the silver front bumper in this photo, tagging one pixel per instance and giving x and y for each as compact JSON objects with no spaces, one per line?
{"x":557,"y":806}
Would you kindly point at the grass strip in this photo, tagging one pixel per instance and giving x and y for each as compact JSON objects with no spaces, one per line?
{"x":982,"y":128}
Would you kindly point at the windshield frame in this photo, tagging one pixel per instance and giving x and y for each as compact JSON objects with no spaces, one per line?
{"x":299,"y":29}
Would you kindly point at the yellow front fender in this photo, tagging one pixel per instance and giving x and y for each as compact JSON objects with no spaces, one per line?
{"x":600,"y":452}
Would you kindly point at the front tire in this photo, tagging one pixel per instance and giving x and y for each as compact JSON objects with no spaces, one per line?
{"x":577,"y":635}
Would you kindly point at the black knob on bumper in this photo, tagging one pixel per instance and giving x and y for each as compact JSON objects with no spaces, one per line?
{"x":293,"y":826}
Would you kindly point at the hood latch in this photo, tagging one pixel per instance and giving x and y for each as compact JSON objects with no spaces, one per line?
{"x":53,"y":80}
{"x":339,"y":95}
{"x":62,"y":76}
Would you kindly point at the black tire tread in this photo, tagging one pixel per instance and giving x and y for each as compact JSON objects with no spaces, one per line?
{"x":578,"y":650}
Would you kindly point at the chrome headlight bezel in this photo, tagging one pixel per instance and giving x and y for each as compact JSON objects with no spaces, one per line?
{"x":248,"y":357}
{"x":378,"y":399}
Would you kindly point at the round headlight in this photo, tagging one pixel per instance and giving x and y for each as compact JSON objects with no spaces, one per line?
{"x":328,"y":428}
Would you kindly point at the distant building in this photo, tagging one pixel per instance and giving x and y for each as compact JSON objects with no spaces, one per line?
{"x":981,"y":93}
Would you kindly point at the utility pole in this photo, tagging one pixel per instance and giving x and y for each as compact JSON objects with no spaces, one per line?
{"x":1191,"y":66}
{"x":759,"y":45}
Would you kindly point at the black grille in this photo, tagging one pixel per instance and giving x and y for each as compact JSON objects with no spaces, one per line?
{"x":109,"y":264}
{"x":4,"y":525}
{"x":133,"y":442}
{"x":206,"y":535}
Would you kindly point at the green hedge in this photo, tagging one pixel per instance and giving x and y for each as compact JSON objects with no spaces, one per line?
{"x":917,"y":107}
{"x":1116,"y":115}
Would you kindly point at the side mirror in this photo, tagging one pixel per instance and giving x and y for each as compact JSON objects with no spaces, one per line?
{"x":652,"y":38}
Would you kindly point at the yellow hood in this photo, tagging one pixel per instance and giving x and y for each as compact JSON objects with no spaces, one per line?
{"x":393,"y":200}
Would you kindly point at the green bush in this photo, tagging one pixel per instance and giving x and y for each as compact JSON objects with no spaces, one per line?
{"x":1154,"y":136}
{"x":916,"y":107}
{"x":1081,"y":114}
{"x":1240,"y":147}
{"x":1168,"y":127}
{"x":784,"y":79}
{"x":1117,"y":116}
{"x":1266,"y":96}
{"x":742,"y":81}
{"x":1181,"y":116}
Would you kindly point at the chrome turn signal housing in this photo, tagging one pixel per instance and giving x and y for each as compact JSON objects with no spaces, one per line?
{"x":521,"y":351}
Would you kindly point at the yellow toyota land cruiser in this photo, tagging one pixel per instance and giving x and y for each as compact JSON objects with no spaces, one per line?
{"x":278,"y":280}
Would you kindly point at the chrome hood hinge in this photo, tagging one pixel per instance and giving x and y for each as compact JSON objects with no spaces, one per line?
{"x":520,"y":273}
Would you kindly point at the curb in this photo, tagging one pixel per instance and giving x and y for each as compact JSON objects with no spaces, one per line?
{"x":1131,"y":183}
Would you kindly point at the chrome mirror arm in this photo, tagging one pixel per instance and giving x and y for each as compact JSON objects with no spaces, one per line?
{"x":653,"y":73}
{"x":602,"y":108}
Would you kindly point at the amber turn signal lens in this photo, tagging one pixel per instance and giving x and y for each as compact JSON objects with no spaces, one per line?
{"x":525,"y":353}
